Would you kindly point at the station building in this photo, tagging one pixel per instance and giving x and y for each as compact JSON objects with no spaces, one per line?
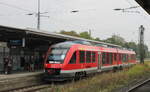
{"x":21,"y":44}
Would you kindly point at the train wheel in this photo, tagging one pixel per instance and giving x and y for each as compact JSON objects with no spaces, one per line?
{"x":114,"y":69}
{"x":121,"y":68}
{"x":84,"y":74}
{"x":79,"y":75}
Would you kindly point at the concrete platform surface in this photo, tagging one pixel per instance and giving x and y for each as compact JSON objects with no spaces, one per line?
{"x":21,"y":74}
{"x":17,"y":80}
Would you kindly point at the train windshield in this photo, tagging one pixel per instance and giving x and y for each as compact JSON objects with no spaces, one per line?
{"x":57,"y":55}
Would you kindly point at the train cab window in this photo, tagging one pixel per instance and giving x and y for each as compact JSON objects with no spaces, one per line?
{"x":73,"y":59}
{"x":57,"y":55}
{"x":88,"y":56}
{"x":82,"y":56}
{"x":93,"y":57}
{"x":104,"y":58}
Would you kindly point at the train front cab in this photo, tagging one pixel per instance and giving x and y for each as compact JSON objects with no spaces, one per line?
{"x":79,"y":60}
{"x":54,"y":62}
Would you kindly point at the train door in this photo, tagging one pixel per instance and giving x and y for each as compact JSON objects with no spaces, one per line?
{"x":99,"y":61}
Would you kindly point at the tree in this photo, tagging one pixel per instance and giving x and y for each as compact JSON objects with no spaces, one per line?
{"x":71,"y":33}
{"x":115,"y":39}
{"x":97,"y":39}
{"x":85,"y":35}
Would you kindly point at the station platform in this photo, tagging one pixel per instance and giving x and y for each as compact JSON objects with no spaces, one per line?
{"x":19,"y":74}
{"x":21,"y":79}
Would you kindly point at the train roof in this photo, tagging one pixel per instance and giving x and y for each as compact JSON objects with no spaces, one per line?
{"x":68,"y":44}
{"x":85,"y":46}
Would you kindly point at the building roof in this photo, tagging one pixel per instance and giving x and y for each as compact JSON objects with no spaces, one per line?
{"x":50,"y":34}
{"x":145,"y":4}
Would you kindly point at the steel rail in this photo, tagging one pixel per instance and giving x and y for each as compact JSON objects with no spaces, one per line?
{"x":138,"y":85}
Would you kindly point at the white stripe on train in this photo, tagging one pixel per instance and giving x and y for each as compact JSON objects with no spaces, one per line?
{"x":95,"y":68}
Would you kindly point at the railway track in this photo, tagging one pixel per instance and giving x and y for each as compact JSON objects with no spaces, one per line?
{"x":37,"y":87}
{"x":32,"y":88}
{"x":132,"y":89}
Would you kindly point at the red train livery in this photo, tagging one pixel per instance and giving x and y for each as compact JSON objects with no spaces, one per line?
{"x":73,"y":60}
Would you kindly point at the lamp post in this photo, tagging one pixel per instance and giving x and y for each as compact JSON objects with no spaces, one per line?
{"x":39,"y":15}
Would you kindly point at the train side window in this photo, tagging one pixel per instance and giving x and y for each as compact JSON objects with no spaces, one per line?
{"x":82,"y":56}
{"x":107,"y":58}
{"x":88,"y":56}
{"x":73,"y":59}
{"x":126,"y":57}
{"x":115,"y":56}
{"x":129,"y":57}
{"x":103,"y":58}
{"x":133,"y":57}
{"x":123,"y":57}
{"x":110,"y":58}
{"x":93,"y":57}
{"x":119,"y":57}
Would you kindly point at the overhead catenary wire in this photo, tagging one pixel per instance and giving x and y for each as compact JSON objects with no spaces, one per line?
{"x":16,"y":7}
{"x":141,"y":14}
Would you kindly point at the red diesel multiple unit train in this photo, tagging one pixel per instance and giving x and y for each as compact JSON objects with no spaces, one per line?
{"x":73,"y":60}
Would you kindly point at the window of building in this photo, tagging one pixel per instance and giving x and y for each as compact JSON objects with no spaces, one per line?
{"x":73,"y":59}
{"x":82,"y":56}
{"x":88,"y":56}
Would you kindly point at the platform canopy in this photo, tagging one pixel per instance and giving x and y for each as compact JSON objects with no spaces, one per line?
{"x":40,"y":36}
{"x":145,"y":4}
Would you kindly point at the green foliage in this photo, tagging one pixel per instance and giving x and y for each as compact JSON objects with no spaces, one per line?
{"x":85,"y":35}
{"x":106,"y":82}
{"x":115,"y":39}
{"x":97,"y":39}
{"x":71,"y":33}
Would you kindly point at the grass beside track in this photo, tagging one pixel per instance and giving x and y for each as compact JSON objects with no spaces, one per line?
{"x":105,"y":82}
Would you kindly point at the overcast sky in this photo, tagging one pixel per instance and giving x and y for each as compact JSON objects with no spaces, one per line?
{"x":97,"y":15}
